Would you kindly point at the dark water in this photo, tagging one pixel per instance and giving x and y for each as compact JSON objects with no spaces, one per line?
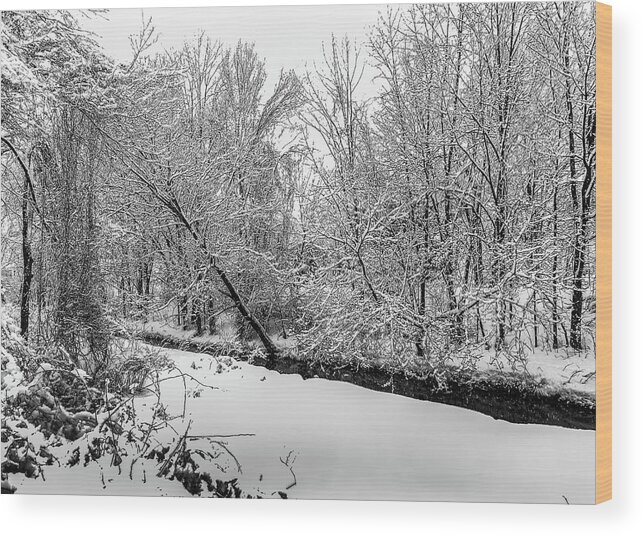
{"x":498,"y":400}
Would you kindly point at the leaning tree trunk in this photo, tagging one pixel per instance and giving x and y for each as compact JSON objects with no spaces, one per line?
{"x":172,"y":204}
{"x":239,"y":302}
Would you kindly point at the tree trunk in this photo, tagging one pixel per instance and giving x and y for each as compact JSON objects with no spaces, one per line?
{"x":175,"y":208}
{"x":555,"y":319}
{"x":578,"y":267}
{"x":27,"y":258}
{"x":498,"y":265}
{"x":578,"y":258}
{"x":270,"y":347}
{"x":27,"y":264}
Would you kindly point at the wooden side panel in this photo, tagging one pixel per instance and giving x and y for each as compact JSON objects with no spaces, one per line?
{"x":604,"y":252}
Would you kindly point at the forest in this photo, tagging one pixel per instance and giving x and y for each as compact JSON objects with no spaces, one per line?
{"x":420,"y":205}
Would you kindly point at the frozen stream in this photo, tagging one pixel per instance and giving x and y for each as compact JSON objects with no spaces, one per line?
{"x":348,"y":442}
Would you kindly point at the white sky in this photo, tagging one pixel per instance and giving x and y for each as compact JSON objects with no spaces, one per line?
{"x":287,"y":37}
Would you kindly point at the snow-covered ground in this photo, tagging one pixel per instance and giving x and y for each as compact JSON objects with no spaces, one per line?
{"x":342,"y":441}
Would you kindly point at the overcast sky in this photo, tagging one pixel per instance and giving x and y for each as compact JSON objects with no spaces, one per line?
{"x":287,"y":37}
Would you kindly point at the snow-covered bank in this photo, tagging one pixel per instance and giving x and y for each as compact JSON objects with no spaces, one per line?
{"x":342,"y":441}
{"x":555,"y":388}
{"x":562,"y":369}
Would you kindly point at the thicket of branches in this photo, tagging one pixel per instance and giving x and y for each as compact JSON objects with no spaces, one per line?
{"x":451,"y":213}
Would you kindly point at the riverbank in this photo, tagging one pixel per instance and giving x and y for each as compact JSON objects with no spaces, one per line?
{"x":320,"y":439}
{"x":515,"y":396}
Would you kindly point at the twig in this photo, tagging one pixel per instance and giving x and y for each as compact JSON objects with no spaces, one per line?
{"x":288,"y":463}
{"x":206,"y":436}
{"x":168,"y":460}
{"x":223,"y":446}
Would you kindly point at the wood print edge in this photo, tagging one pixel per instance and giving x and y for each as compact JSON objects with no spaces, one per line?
{"x":604,"y":252}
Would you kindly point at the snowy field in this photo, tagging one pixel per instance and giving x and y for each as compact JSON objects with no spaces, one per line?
{"x":340,"y":441}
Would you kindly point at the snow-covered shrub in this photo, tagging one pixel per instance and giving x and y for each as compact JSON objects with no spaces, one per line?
{"x":24,"y":447}
{"x":13,"y":352}
{"x":56,"y":414}
{"x":48,"y":402}
{"x":131,"y":366}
